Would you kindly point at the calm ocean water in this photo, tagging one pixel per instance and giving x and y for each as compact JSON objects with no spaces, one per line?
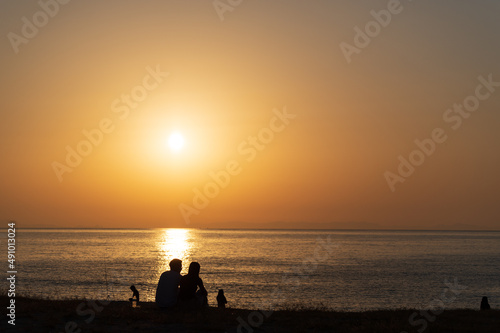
{"x":344,"y":270}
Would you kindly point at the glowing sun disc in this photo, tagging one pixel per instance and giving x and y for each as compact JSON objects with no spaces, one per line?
{"x":176,"y":141}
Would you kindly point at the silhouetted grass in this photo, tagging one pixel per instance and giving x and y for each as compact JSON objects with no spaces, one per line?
{"x":41,"y":315}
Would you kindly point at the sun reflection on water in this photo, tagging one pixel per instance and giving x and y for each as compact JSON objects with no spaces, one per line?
{"x":174,"y":243}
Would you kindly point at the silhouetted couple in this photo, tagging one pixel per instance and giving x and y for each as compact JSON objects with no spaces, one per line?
{"x":185,"y":292}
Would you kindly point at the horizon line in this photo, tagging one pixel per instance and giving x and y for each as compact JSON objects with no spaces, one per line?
{"x":243,"y":228}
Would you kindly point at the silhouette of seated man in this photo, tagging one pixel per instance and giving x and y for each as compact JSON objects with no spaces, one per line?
{"x":190,"y":297}
{"x":484,"y":303}
{"x":168,"y":286}
{"x":221,"y":299}
{"x":135,"y":294}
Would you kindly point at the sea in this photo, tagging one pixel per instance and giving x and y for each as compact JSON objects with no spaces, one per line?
{"x":346,"y":270}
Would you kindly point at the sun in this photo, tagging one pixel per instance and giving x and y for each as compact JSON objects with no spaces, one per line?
{"x":176,"y":141}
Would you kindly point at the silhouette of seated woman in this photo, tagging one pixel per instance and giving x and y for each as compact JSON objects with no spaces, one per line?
{"x":190,"y":296}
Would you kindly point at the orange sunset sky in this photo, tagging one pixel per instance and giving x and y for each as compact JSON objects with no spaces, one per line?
{"x":310,"y":108}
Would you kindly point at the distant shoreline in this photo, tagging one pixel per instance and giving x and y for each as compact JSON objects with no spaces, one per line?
{"x":259,"y":229}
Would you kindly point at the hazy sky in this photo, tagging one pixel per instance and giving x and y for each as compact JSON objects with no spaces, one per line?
{"x":311,"y":108}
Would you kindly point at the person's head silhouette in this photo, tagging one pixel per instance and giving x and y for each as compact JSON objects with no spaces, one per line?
{"x":176,"y":265}
{"x":194,"y":269}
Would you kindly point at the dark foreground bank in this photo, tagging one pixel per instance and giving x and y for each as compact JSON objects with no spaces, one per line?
{"x":32,"y":315}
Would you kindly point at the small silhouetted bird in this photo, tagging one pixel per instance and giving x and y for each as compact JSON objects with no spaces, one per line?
{"x":221,"y":299}
{"x":484,"y":303}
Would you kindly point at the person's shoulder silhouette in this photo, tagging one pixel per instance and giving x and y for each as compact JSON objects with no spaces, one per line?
{"x":168,"y":285}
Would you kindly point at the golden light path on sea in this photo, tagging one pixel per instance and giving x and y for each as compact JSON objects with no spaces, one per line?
{"x":174,"y":244}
